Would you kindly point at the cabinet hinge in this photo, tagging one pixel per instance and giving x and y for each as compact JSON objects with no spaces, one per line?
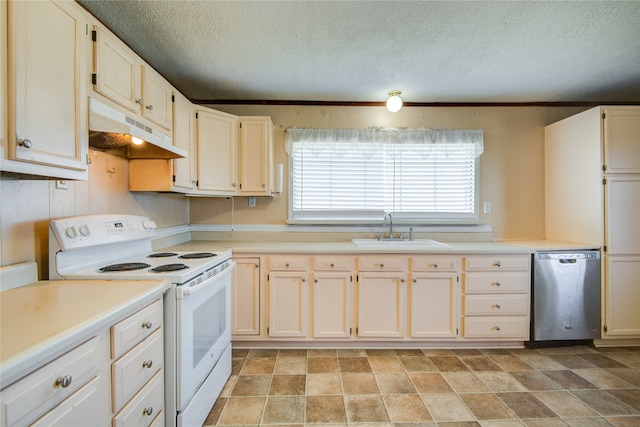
{"x":604,"y":181}
{"x":196,"y":115}
{"x":173,"y":98}
{"x":604,"y":116}
{"x":241,"y":186}
{"x":87,"y":161}
{"x":604,"y":168}
{"x":267,"y":330}
{"x":240,"y":125}
{"x":94,"y":36}
{"x":357,"y":278}
{"x":197,"y":183}
{"x":456,"y":331}
{"x":457,"y":279}
{"x":605,"y":328}
{"x":356,"y":330}
{"x":173,"y":177}
{"x":350,"y":331}
{"x":94,"y":79}
{"x":604,"y":248}
{"x":351,"y":278}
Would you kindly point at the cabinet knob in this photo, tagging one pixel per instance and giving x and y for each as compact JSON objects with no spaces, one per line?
{"x":148,"y":411}
{"x":64,"y":382}
{"x":497,"y":328}
{"x":149,"y":107}
{"x":497,"y":305}
{"x":303,"y":279}
{"x":315,"y":280}
{"x":401,"y":280}
{"x":286,"y":264}
{"x":496,"y":263}
{"x":147,"y":324}
{"x":139,"y":101}
{"x":26,"y":143}
{"x":332,"y":265}
{"x":147,"y":364}
{"x":414,"y":280}
{"x":435,"y":265}
{"x":381,"y":265}
{"x":497,"y":283}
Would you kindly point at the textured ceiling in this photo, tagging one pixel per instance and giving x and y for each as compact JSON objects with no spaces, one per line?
{"x":357,"y":51}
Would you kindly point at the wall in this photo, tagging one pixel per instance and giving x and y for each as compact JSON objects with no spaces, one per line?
{"x":511,"y":168}
{"x":28,"y":206}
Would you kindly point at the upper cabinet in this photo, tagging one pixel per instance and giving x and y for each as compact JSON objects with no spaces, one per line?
{"x":47,"y":125}
{"x":216,"y":138}
{"x":622,"y":139}
{"x":120,"y":75}
{"x":184,"y":136}
{"x":255,"y":156}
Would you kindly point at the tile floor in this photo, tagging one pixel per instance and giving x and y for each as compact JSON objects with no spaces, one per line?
{"x":566,"y":386}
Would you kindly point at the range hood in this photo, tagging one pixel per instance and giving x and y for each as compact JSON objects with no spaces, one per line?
{"x":111,"y":130}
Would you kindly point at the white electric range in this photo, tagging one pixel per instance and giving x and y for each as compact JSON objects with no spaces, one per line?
{"x":197,"y":309}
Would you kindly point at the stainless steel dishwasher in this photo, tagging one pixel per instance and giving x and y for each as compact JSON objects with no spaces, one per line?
{"x":565,"y":297}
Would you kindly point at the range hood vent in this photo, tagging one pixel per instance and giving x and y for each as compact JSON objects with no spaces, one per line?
{"x":111,"y":130}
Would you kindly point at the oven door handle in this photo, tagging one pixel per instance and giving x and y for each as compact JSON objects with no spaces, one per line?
{"x":185,"y":291}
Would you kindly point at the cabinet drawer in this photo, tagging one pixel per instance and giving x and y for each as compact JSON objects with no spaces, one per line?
{"x":500,"y":304}
{"x":79,"y":409}
{"x":145,"y":406}
{"x":134,"y":369}
{"x":435,"y":263}
{"x":497,"y":262}
{"x":485,"y":282}
{"x":135,"y":328}
{"x":382,"y":263}
{"x":288,"y":262}
{"x":496,"y":327}
{"x":40,"y":391}
{"x":331,"y":263}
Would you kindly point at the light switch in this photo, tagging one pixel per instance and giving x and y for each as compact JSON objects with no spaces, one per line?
{"x":252,"y":202}
{"x":486,"y":207}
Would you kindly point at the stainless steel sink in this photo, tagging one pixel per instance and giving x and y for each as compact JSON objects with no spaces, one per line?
{"x":397,"y":243}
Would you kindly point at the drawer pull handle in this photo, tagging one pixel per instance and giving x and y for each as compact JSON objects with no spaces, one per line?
{"x":149,"y":107}
{"x":148,"y":411}
{"x":497,"y":305}
{"x":286,"y":265}
{"x":435,"y":265}
{"x":147,"y":364}
{"x":64,"y":382}
{"x":381,"y":265}
{"x":147,"y":324}
{"x":496,"y":263}
{"x":497,"y":328}
{"x":332,"y":265}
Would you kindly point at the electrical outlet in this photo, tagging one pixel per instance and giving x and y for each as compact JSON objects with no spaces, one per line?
{"x":252,"y":202}
{"x":61,"y":184}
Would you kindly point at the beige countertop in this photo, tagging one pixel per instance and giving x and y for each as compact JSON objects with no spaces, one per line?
{"x":44,"y":319}
{"x":347,"y":247}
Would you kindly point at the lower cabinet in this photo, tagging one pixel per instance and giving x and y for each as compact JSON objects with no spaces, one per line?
{"x":621,"y":296}
{"x":496,"y":297}
{"x":113,"y":378}
{"x":381,"y":297}
{"x":245,"y":297}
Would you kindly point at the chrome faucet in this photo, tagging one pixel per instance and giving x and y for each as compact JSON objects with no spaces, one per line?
{"x":390,"y":235}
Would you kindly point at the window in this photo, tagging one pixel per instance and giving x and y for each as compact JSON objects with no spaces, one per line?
{"x":351,"y":175}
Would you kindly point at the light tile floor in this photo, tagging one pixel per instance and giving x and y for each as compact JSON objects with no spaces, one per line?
{"x":576,"y":386}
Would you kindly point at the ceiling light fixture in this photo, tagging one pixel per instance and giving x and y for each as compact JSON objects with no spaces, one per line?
{"x":136,"y":140}
{"x":394,"y":103}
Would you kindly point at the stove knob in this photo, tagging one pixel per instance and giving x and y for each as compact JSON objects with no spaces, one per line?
{"x":71,"y":232}
{"x":149,"y":225}
{"x":84,"y":230}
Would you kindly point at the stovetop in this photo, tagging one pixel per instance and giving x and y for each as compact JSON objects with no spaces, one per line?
{"x":178,"y":267}
{"x":113,"y":247}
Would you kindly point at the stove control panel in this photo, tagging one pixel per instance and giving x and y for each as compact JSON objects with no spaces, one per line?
{"x":93,"y":230}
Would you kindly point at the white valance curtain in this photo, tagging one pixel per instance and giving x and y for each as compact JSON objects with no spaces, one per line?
{"x":378,"y":135}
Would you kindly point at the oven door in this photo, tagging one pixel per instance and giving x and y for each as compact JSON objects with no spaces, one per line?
{"x":203,"y":330}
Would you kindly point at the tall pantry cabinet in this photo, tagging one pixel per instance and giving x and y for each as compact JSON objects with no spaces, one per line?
{"x":592,"y":196}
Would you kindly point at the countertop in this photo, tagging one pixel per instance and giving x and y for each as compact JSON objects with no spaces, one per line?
{"x":43,"y":319}
{"x":348,"y":247}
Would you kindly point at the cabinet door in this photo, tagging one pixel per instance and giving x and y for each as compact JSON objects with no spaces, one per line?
{"x":433,"y":306}
{"x":117,"y":70}
{"x":255,"y":156}
{"x":156,"y":97}
{"x":622,"y":139}
{"x":288,"y":304}
{"x":184,"y":137}
{"x":245,"y":297}
{"x":47,"y":103}
{"x":381,"y":305}
{"x":332,"y":304}
{"x":622,"y":215}
{"x":622,"y":294}
{"x":217,"y":158}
